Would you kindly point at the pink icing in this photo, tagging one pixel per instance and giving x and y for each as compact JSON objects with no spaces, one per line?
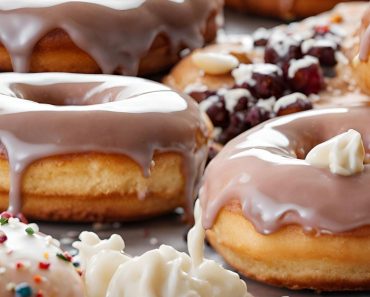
{"x":265,"y":170}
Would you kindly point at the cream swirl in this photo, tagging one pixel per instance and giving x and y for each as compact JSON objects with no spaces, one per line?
{"x":163,"y":272}
{"x":343,"y":154}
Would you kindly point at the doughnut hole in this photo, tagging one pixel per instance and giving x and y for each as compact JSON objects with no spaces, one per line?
{"x":61,"y":94}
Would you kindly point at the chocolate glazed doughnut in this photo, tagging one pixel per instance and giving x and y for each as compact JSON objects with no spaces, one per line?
{"x":93,"y":147}
{"x":278,"y":219}
{"x":123,"y":37}
{"x":284,"y":9}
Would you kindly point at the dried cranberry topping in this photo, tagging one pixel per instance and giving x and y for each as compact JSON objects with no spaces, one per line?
{"x":306,"y":78}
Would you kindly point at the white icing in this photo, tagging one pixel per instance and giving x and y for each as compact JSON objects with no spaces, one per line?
{"x":261,"y":33}
{"x":115,"y":4}
{"x":163,"y":272}
{"x":281,"y":42}
{"x":288,"y":100}
{"x":266,"y":104}
{"x":196,"y":87}
{"x":59,"y":279}
{"x":215,"y":63}
{"x":343,"y":154}
{"x":232,"y":97}
{"x":305,"y":62}
{"x":207,"y":103}
{"x":243,"y":74}
{"x":310,"y":43}
{"x":341,"y":58}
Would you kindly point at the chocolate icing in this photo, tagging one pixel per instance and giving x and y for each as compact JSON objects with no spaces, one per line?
{"x":365,"y":36}
{"x":115,"y":33}
{"x":265,"y":170}
{"x":106,"y":114}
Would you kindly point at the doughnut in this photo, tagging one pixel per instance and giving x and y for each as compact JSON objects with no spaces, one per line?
{"x":278,"y":217}
{"x":32,"y":264}
{"x":92,"y":36}
{"x":97,"y":147}
{"x":361,"y":63}
{"x":244,"y":80}
{"x":108,"y":272}
{"x":284,"y":9}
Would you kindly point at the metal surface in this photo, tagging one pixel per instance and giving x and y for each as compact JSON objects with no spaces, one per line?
{"x":142,"y":236}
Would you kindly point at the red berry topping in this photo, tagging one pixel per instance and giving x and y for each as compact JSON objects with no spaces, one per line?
{"x":322,"y":29}
{"x":3,"y":237}
{"x":215,"y":108}
{"x":6,"y":215}
{"x":305,"y":76}
{"x":281,"y":48}
{"x":22,"y":218}
{"x":44,"y":265}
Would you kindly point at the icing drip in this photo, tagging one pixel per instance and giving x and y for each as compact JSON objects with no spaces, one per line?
{"x":163,"y":272}
{"x":365,"y":37}
{"x":117,"y":40}
{"x":265,"y":170}
{"x":110,"y":114}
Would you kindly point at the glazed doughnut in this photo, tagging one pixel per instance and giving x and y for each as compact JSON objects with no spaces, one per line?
{"x":95,"y":147}
{"x":284,"y":9}
{"x":244,"y":80}
{"x":278,"y":219}
{"x":135,"y":37}
{"x":32,"y":264}
{"x":362,"y":64}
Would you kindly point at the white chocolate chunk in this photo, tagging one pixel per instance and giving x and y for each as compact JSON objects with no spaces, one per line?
{"x":215,"y":63}
{"x":343,"y":154}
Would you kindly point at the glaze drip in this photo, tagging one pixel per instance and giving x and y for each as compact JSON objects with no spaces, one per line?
{"x":365,"y":37}
{"x":265,"y":170}
{"x":124,"y":115}
{"x":117,"y":40}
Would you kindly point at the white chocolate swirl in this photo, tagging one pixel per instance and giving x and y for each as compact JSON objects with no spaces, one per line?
{"x":163,"y":272}
{"x":343,"y":154}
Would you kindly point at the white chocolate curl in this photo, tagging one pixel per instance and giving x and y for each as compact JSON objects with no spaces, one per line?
{"x":215,"y":63}
{"x":163,"y":272}
{"x":343,"y":154}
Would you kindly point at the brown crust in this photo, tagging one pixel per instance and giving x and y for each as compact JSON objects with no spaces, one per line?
{"x":90,"y":187}
{"x":291,"y":258}
{"x":275,"y":8}
{"x":56,"y":52}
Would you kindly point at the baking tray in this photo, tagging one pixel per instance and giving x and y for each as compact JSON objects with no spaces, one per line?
{"x":143,"y":236}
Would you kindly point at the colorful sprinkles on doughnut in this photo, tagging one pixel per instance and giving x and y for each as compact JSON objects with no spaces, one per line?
{"x":30,"y":266}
